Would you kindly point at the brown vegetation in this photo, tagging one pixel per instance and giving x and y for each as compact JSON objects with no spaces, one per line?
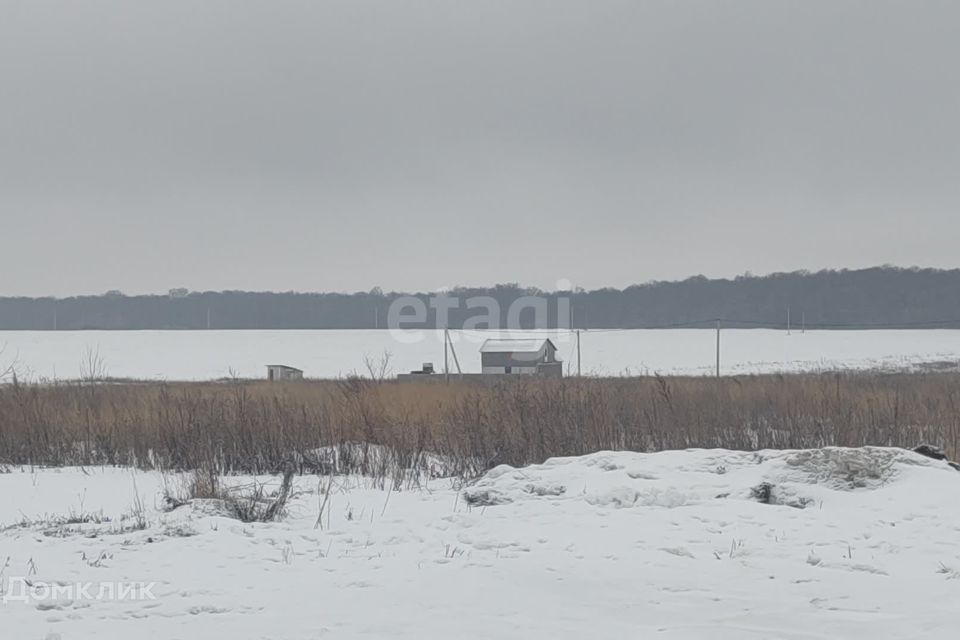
{"x":260,"y":427}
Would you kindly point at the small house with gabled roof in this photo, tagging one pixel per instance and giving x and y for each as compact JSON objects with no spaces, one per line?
{"x":512,"y":356}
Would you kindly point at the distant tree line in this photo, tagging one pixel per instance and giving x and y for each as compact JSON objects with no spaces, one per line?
{"x":882,"y":297}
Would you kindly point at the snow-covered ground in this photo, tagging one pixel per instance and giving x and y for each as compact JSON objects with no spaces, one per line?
{"x":854,"y":544}
{"x":199,"y":355}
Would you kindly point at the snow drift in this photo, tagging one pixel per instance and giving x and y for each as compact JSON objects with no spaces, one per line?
{"x":826,"y":543}
{"x":671,"y":479}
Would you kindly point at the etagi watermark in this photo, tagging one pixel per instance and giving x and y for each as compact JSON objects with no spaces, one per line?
{"x":406,"y":315}
{"x":35,"y":592}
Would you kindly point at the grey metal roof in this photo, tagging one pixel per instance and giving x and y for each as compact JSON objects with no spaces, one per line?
{"x":284,"y":366}
{"x":514,"y":345}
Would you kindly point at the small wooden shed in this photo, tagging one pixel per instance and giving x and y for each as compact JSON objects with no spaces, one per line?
{"x":281,"y":372}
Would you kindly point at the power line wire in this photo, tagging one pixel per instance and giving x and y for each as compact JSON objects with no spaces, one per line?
{"x":734,"y":323}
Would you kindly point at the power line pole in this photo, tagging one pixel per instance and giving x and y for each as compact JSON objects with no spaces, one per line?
{"x":718,"y":347}
{"x":803,"y":322}
{"x":446,"y":356}
{"x":456,"y":360}
{"x":578,"y":353}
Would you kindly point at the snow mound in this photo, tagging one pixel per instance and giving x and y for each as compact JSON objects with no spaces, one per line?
{"x":670,"y":479}
{"x":678,"y":544}
{"x":841,"y":468}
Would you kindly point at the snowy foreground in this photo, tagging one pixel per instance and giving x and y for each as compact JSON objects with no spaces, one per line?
{"x":842,"y":543}
{"x":206,"y":355}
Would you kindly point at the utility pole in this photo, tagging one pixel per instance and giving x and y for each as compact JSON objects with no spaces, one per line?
{"x":718,"y":348}
{"x":446,"y":355}
{"x":578,"y":353}
{"x":788,"y":319}
{"x":456,"y":360}
{"x":803,"y":322}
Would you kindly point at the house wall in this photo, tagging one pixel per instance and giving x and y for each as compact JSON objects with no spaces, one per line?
{"x":280,"y":373}
{"x":514,"y":370}
{"x":480,"y":379}
{"x":502,"y":359}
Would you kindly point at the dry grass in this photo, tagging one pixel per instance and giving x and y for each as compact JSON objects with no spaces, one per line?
{"x":256,"y":427}
{"x":250,"y":503}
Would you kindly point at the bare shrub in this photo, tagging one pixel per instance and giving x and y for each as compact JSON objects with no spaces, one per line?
{"x":378,"y":369}
{"x":204,"y":484}
{"x":255,"y":505}
{"x":251,"y":503}
{"x":93,"y":368}
{"x":201,"y":484}
{"x":7,"y":366}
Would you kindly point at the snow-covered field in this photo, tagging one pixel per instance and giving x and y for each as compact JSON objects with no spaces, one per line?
{"x":854,"y":544}
{"x":199,"y":355}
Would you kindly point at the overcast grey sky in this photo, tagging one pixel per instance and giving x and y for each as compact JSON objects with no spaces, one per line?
{"x":314,"y":145}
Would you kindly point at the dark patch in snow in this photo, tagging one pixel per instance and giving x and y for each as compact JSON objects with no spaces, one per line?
{"x":767,"y":493}
{"x":762,"y":492}
{"x":485,"y":497}
{"x":931,"y":451}
{"x":545,"y":489}
{"x":937,"y":453}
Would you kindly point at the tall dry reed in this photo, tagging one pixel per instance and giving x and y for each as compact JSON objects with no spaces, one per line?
{"x":260,"y":427}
